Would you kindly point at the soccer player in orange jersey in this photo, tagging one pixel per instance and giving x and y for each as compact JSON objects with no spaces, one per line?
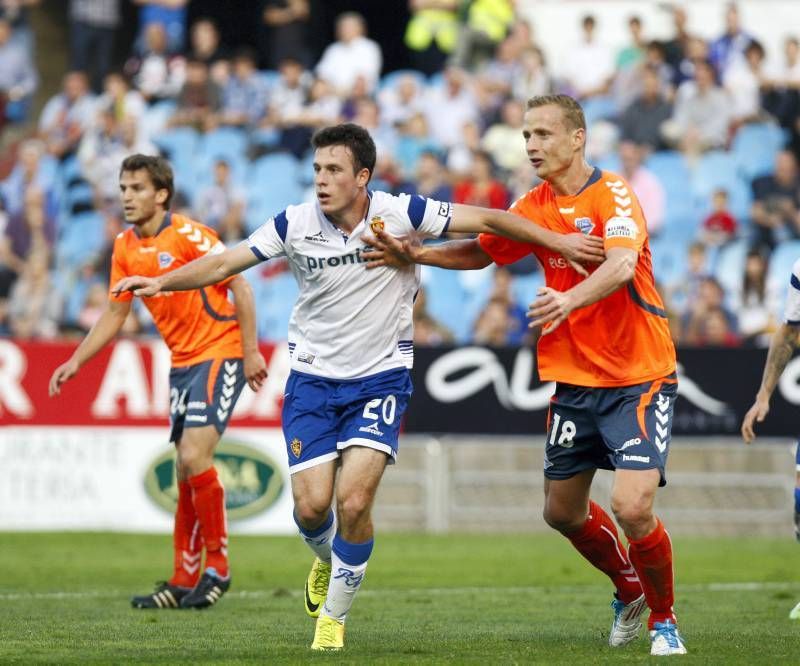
{"x":606,"y":344}
{"x":214,"y":351}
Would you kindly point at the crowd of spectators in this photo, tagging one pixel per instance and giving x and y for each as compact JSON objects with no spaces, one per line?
{"x":659,"y":113}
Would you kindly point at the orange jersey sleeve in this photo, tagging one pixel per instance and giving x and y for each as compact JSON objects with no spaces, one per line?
{"x":623,"y":220}
{"x":118,"y":270}
{"x":504,"y":250}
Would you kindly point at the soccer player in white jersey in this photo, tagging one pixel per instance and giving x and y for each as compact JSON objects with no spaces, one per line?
{"x":351,"y":346}
{"x":784,"y":341}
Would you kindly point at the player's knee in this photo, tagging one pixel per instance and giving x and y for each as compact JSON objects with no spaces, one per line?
{"x":353,"y":507}
{"x":311,"y":511}
{"x":632,"y":512}
{"x":561,"y":518}
{"x":192,"y":457}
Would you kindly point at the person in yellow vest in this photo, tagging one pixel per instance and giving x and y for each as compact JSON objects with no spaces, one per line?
{"x":487,"y":24}
{"x":432,"y":33}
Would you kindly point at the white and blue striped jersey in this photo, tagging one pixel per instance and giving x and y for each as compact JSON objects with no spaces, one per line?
{"x":792,"y":311}
{"x":349,"y":322}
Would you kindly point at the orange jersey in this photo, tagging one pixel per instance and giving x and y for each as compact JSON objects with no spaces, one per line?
{"x":622,"y":339}
{"x":197,"y":325}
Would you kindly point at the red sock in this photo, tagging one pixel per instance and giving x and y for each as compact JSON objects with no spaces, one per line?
{"x":652,"y":558}
{"x":186,"y":540}
{"x":208,"y":496}
{"x":598,"y":542}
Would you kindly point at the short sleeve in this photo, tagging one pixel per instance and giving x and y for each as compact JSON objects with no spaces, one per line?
{"x":118,"y":272}
{"x":502,"y":250}
{"x":792,"y":312}
{"x":621,"y":215}
{"x":427,"y":217}
{"x":269,"y":240}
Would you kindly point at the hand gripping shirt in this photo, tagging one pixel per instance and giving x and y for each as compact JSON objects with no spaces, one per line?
{"x":349,"y":322}
{"x":622,"y":339}
{"x":197,"y":325}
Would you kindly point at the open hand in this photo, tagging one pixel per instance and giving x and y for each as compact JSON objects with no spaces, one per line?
{"x":580,"y":249}
{"x":549,"y":310}
{"x":138,"y":284}
{"x":255,"y":369}
{"x":758,"y":412}
{"x":387,"y":250}
{"x":62,"y":374}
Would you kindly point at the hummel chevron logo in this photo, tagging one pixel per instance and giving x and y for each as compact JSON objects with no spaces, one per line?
{"x":222,"y":415}
{"x":196,"y":236}
{"x":624,"y":212}
{"x":229,"y":380}
{"x":662,"y":420}
{"x":226,"y":403}
{"x":186,"y":228}
{"x":615,"y":183}
{"x":662,"y":417}
{"x":622,"y":201}
{"x":230,"y":366}
{"x":662,"y":431}
{"x":227,"y":391}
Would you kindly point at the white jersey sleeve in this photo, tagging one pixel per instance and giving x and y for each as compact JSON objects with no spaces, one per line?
{"x":792,"y":313}
{"x":269,"y":240}
{"x":428,"y":217}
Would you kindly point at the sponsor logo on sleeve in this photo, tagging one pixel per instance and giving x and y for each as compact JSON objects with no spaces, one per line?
{"x":621,"y":227}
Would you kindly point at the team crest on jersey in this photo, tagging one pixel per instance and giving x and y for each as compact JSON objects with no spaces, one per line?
{"x":165,"y":259}
{"x":376,"y":224}
{"x":297,"y":447}
{"x":584,"y":225}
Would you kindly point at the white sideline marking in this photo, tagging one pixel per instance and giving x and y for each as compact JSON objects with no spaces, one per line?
{"x":541,"y":589}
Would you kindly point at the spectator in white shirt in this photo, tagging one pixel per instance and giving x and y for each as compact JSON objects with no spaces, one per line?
{"x":744,"y":79}
{"x":351,"y":56}
{"x":589,"y":65}
{"x":450,"y":107}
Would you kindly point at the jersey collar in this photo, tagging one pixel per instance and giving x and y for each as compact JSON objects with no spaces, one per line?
{"x":166,"y":222}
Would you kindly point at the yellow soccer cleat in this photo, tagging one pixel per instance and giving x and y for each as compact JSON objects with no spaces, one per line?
{"x":317,"y":587}
{"x":329,"y":634}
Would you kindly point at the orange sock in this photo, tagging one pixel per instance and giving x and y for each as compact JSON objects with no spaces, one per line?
{"x":599,"y":543}
{"x":208,"y":496}
{"x":652,"y":558}
{"x":186,"y":540}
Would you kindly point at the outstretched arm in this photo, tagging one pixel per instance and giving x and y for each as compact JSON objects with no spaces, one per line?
{"x":784,"y":341}
{"x":255,"y":368}
{"x":398,"y":253}
{"x":207,"y":270}
{"x":575,"y":247}
{"x":99,"y":336}
{"x":553,"y":307}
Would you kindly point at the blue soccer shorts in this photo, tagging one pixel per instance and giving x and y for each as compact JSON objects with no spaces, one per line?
{"x":204,"y":394}
{"x":323,"y":416}
{"x":626,"y":427}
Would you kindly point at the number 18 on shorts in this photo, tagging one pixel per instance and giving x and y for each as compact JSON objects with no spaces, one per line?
{"x":626,"y":427}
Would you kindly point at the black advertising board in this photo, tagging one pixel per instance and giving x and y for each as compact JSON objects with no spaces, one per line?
{"x":485,"y":390}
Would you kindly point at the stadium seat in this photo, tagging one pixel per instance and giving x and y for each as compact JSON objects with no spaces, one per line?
{"x":155,"y":118}
{"x":729,"y":266}
{"x":598,"y":108}
{"x":754,"y":148}
{"x":229,"y":143}
{"x":670,"y":167}
{"x":80,"y":238}
{"x":445,"y":297}
{"x":274,"y":297}
{"x":716,"y":169}
{"x":669,"y":256}
{"x":178,"y":143}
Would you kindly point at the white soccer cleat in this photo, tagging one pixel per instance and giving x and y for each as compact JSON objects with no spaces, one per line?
{"x":795,"y":613}
{"x":627,"y":624}
{"x":665,"y":640}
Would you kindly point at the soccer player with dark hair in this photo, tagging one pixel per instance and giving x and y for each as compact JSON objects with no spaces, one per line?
{"x":214,"y":351}
{"x":606,"y":343}
{"x":351,"y":347}
{"x":781,"y":348}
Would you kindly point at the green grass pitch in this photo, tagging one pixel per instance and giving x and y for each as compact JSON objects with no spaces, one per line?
{"x":462,"y":599}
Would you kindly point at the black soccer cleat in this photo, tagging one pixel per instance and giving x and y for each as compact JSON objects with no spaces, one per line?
{"x":165,"y":596}
{"x":208,"y":591}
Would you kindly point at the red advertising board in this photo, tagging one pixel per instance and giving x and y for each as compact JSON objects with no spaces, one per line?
{"x":125,"y":384}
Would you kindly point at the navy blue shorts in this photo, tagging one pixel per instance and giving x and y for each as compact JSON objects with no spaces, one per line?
{"x":204,"y":394}
{"x":627,"y":427}
{"x":322,"y":416}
